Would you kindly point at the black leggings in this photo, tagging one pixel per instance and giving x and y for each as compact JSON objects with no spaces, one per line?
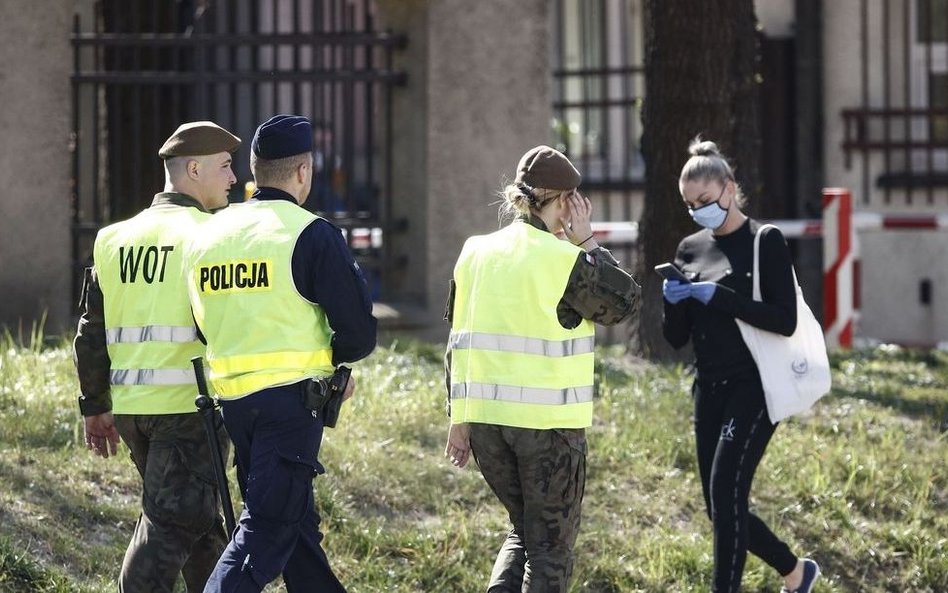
{"x":732,"y":430}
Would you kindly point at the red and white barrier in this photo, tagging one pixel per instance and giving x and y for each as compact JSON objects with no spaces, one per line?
{"x":616,"y":232}
{"x":838,"y":267}
{"x":873,"y":221}
{"x":841,"y":265}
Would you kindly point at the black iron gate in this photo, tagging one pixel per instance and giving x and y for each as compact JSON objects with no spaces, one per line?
{"x":141,"y":68}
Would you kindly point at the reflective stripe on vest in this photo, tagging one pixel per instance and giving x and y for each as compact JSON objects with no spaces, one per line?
{"x":151,"y":333}
{"x":149,"y":329}
{"x":462,"y":340}
{"x":260,"y":331}
{"x":234,"y":375}
{"x":512,"y":363}
{"x":246,"y":363}
{"x":153,"y":377}
{"x":527,"y":395}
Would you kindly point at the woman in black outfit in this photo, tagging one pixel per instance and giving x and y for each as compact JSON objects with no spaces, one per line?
{"x":732,"y":427}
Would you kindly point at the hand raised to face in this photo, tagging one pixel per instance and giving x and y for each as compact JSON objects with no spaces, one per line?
{"x":576,"y":224}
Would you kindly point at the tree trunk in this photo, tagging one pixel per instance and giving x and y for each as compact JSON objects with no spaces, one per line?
{"x":700,"y":78}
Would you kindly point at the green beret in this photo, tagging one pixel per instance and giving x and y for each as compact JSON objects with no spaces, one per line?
{"x":198,"y":138}
{"x":547,"y":168}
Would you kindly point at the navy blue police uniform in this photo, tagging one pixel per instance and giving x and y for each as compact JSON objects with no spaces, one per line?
{"x":277,"y":440}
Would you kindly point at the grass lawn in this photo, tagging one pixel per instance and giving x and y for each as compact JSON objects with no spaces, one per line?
{"x":861,"y":485}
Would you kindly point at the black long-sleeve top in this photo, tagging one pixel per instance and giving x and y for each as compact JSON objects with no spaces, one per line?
{"x":728,"y":260}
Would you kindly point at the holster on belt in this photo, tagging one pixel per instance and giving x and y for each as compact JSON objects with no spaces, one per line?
{"x":324,"y":396}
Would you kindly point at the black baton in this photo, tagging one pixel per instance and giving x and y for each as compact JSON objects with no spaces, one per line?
{"x":205,"y":406}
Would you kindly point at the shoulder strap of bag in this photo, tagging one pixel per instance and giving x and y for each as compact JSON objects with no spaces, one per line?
{"x":760,"y":231}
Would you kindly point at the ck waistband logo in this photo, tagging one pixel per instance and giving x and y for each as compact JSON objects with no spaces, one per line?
{"x":727,"y":431}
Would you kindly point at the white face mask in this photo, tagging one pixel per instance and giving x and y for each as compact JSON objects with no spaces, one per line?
{"x":710,"y":216}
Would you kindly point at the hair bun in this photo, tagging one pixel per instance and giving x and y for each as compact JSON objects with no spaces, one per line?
{"x":699,"y":147}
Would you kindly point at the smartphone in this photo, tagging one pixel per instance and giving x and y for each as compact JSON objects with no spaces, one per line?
{"x":670,"y":272}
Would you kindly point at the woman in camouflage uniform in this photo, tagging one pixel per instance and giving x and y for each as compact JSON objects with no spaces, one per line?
{"x":521,"y":306}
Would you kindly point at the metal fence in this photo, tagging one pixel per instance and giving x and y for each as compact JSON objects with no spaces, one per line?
{"x":898,"y":133}
{"x":142,"y":68}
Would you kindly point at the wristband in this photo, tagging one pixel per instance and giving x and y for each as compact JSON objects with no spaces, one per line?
{"x":586,"y":239}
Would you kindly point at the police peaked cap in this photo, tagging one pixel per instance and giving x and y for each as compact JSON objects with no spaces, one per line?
{"x":547,"y":168}
{"x":198,"y":138}
{"x":283,"y":136}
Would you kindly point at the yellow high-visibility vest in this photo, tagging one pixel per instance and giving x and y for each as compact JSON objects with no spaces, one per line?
{"x":260,"y":331}
{"x":150,"y":333}
{"x":512,"y":363}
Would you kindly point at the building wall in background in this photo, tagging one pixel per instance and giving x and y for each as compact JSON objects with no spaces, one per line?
{"x":479,"y":93}
{"x":904,"y":291}
{"x":35,"y":169}
{"x":408,"y":240}
{"x":476,"y":99}
{"x":488,"y":99}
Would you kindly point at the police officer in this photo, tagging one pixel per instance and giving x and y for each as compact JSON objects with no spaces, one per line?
{"x":520,"y":364}
{"x":281,"y":302}
{"x":132,"y":351}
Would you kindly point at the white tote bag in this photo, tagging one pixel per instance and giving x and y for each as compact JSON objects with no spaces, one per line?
{"x":794,"y":370}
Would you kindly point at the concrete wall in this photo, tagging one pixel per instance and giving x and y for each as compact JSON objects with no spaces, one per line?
{"x":406,"y":278}
{"x":478,"y":96}
{"x":842,"y":86}
{"x":35,"y":170}
{"x":775,"y":17}
{"x":488,"y":102}
{"x":895,"y":263}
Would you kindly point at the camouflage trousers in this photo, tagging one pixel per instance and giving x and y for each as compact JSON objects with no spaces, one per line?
{"x":180,"y":530}
{"x":539,"y":476}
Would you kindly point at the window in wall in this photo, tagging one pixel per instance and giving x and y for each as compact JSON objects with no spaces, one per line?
{"x":598,"y":85}
{"x":579,"y":125}
{"x":932,"y":21}
{"x":938,"y":100}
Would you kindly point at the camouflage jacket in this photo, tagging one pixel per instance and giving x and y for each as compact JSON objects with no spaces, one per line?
{"x":90,"y":351}
{"x":597,"y":289}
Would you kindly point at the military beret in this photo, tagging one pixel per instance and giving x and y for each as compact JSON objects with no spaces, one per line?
{"x":282,"y":136}
{"x":547,"y":168}
{"x":198,"y":138}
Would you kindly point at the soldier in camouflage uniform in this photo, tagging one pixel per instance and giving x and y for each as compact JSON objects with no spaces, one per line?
{"x":132,"y":354}
{"x":525,"y":430}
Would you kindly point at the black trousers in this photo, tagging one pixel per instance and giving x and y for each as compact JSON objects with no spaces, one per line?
{"x":732,"y":430}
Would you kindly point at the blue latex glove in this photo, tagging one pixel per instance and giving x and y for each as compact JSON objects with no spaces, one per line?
{"x":703,"y":291}
{"x":675,"y":291}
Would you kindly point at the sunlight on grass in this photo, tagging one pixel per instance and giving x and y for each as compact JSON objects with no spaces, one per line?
{"x":860,"y":484}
